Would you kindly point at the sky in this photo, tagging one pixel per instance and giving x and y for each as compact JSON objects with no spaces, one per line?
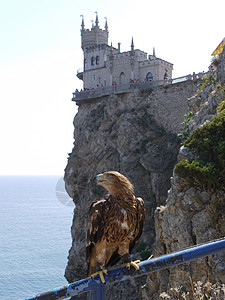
{"x":40,"y":53}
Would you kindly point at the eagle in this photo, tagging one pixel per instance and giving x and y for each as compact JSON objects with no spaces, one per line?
{"x":114,"y":225}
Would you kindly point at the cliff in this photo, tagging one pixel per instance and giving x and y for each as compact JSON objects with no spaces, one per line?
{"x":194,"y":212}
{"x":135,"y":134}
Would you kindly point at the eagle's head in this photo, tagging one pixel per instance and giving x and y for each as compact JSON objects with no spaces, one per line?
{"x":115,"y":183}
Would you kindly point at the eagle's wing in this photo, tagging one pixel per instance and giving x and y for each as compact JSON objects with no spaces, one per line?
{"x":139,"y":228}
{"x":140,"y":222}
{"x":95,"y":225}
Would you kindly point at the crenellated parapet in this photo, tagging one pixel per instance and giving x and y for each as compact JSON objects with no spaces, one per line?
{"x":94,"y":37}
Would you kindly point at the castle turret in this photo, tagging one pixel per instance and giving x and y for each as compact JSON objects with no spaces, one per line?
{"x":95,"y":36}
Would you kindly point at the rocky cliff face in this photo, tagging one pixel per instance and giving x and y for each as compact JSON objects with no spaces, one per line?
{"x":186,"y":220}
{"x":135,"y":134}
{"x":194,"y":212}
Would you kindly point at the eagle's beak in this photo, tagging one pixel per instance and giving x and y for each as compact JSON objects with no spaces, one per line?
{"x":99,"y":179}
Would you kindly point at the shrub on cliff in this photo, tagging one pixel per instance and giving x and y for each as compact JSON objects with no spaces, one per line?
{"x":197,"y":172}
{"x":185,"y":130}
{"x":209,"y":142}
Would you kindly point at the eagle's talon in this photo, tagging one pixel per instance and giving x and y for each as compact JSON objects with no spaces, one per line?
{"x":100,"y":273}
{"x":133,"y":264}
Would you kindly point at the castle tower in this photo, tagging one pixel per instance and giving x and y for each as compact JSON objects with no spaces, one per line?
{"x":94,"y":43}
{"x":95,"y":36}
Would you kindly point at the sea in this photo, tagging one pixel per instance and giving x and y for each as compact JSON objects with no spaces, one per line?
{"x":35,"y":221}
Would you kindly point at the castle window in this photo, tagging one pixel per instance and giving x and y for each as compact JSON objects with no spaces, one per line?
{"x":85,"y":64}
{"x":97,"y":60}
{"x":92,"y":61}
{"x":122,"y":78}
{"x":149,"y":77}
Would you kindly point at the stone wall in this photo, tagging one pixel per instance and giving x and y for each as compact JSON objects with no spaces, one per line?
{"x":168,"y":104}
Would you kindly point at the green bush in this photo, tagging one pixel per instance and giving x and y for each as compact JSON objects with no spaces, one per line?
{"x":197,"y":172}
{"x":205,"y":81}
{"x":209,"y":142}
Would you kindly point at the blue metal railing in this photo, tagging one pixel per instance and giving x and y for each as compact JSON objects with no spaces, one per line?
{"x":145,"y":267}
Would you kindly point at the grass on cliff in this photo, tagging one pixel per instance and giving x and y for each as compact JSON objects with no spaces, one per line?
{"x":208,"y":170}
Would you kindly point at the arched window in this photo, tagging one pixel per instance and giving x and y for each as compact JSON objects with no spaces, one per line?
{"x":122,"y":78}
{"x":85,"y":64}
{"x":97,"y":60}
{"x":149,"y":77}
{"x":92,"y":61}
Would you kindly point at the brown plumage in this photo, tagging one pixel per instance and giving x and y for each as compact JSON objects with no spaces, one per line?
{"x":114,"y":223}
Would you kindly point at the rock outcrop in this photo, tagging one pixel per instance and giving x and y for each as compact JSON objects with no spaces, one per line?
{"x":187,"y":219}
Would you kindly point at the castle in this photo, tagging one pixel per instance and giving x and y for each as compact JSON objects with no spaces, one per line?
{"x":105,"y":65}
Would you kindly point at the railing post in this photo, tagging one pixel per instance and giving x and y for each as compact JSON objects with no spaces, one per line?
{"x":99,"y":293}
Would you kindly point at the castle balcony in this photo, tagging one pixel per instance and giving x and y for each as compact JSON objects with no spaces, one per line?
{"x":92,"y":94}
{"x":80,"y":73}
{"x":87,"y":95}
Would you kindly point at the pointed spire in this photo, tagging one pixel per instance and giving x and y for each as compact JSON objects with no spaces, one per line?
{"x":111,"y":48}
{"x":106,"y":24}
{"x":92,"y":26}
{"x":96,"y":21}
{"x":154,"y":51}
{"x":132,"y":45}
{"x":82,"y":24}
